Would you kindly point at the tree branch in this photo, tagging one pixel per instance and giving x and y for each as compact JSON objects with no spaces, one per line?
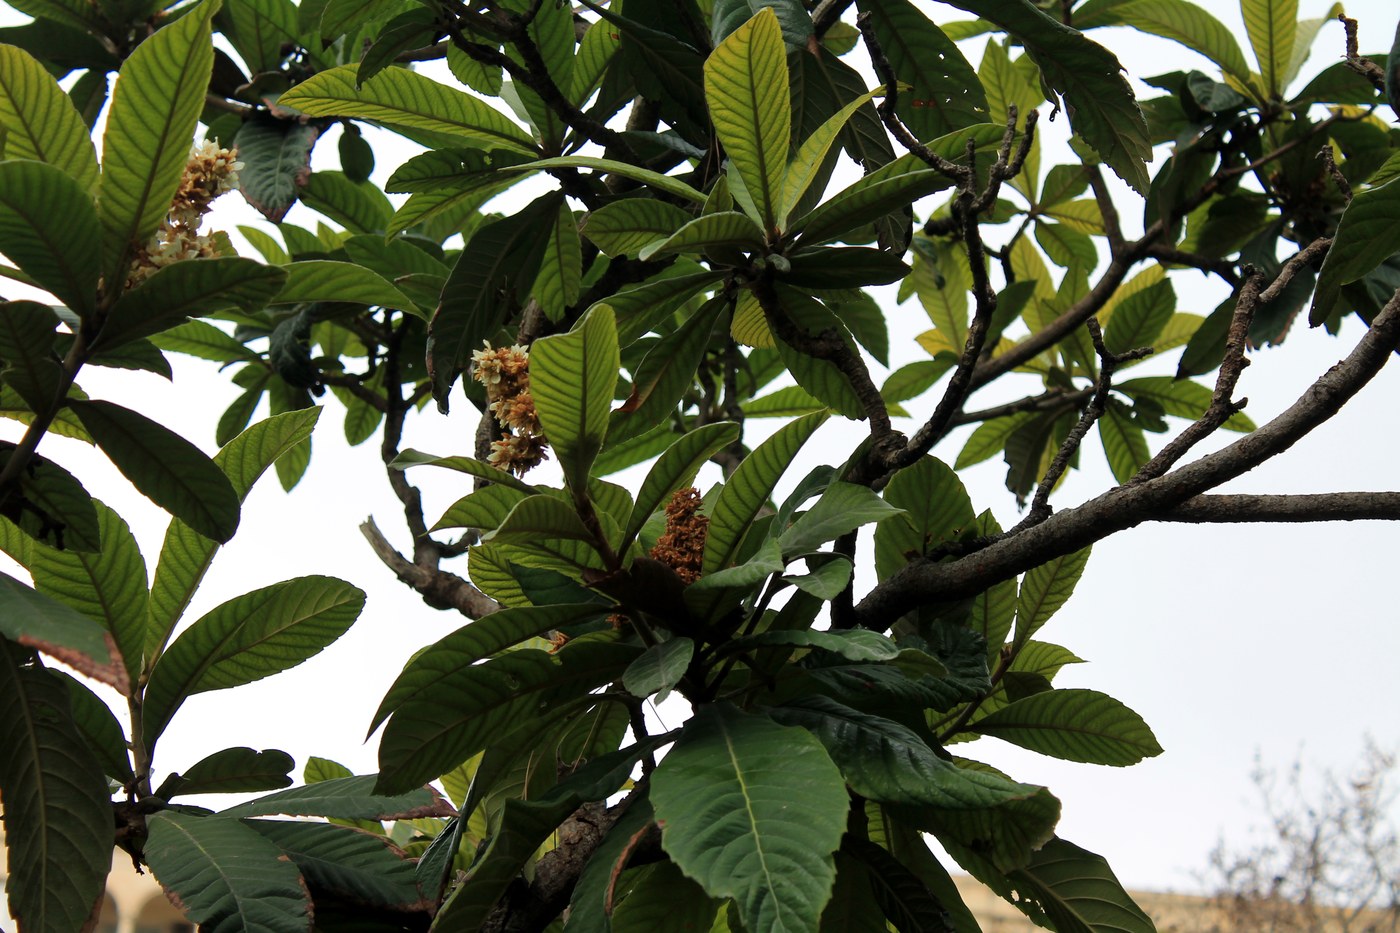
{"x":1304,"y":507}
{"x":439,"y":588}
{"x":1124,"y":507}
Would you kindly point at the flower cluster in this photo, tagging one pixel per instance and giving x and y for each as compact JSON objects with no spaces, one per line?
{"x":505,"y":372}
{"x":210,"y":171}
{"x":682,"y":546}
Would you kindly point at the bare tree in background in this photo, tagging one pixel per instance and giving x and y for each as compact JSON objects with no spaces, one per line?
{"x":1329,"y":861}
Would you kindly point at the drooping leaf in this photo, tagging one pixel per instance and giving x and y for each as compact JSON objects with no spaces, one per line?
{"x":156,"y":103}
{"x":746,"y":80}
{"x":1103,"y":110}
{"x":561,"y":268}
{"x":225,"y":875}
{"x":40,"y":122}
{"x":944,"y":93}
{"x":1077,"y":891}
{"x":48,"y":228}
{"x":723,"y":796}
{"x":165,"y":467}
{"x":232,"y":771}
{"x":399,"y":97}
{"x":276,"y":157}
{"x":493,"y":273}
{"x":1076,"y":725}
{"x":58,"y":814}
{"x":572,"y":377}
{"x":34,"y":620}
{"x":248,"y":638}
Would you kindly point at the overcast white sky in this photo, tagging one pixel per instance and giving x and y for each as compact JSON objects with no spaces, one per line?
{"x":1228,"y":640}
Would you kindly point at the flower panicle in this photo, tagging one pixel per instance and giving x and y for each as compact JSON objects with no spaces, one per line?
{"x":505,"y":372}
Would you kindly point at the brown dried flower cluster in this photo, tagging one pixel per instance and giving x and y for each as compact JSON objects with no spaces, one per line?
{"x":505,"y":372}
{"x":210,"y":172}
{"x":682,"y":546}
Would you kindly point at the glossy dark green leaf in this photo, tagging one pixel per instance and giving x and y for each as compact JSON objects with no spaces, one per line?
{"x":723,"y":796}
{"x":62,"y":512}
{"x":99,"y":728}
{"x":166,"y":468}
{"x":248,"y":638}
{"x":227,"y":877}
{"x":58,"y":814}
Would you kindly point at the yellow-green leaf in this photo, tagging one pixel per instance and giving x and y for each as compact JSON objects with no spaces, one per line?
{"x":746,"y":87}
{"x":39,"y":120}
{"x":1272,"y":26}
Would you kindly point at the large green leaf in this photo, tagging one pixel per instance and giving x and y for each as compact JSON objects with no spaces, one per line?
{"x":39,"y":120}
{"x":456,"y":717}
{"x":944,"y":93}
{"x":1368,"y":233}
{"x":156,"y":103}
{"x":724,"y":228}
{"x":561,"y":268}
{"x":48,"y":228}
{"x":1076,"y":725}
{"x":232,"y":771}
{"x":1272,"y":26}
{"x":659,"y":668}
{"x":622,"y":228}
{"x":1102,"y":108}
{"x":663,"y":898}
{"x":724,"y":796}
{"x":487,"y":636}
{"x":468,"y":465}
{"x":844,"y":507}
{"x":748,"y":489}
{"x":343,"y":797}
{"x":936,"y":508}
{"x":1181,"y":20}
{"x":58,"y":814}
{"x":807,"y":163}
{"x":572,"y":377}
{"x":186,"y":554}
{"x":361,"y":867}
{"x":1076,"y":891}
{"x":746,"y":82}
{"x":1181,"y":398}
{"x":107,"y":586}
{"x":227,"y":877}
{"x":358,"y":206}
{"x":1044,"y":590}
{"x":883,"y":760}
{"x":493,"y":274}
{"x":398,"y":97}
{"x":676,"y":468}
{"x":165,"y":467}
{"x":99,"y":728}
{"x":189,"y":289}
{"x":326,"y":280}
{"x":248,"y":638}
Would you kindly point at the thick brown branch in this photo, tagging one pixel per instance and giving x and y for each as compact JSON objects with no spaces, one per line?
{"x":1304,"y":507}
{"x":439,"y":588}
{"x":1126,"y":506}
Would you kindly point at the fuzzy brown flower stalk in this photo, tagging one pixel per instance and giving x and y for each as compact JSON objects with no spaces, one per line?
{"x":210,"y":172}
{"x":682,"y":546}
{"x":505,"y":372}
